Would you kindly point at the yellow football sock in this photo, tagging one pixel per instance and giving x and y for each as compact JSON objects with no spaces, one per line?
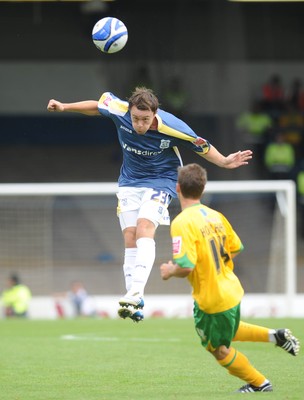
{"x":238,"y":365}
{"x":251,"y":333}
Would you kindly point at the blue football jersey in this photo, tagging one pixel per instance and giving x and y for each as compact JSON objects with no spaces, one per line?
{"x":150,"y":160}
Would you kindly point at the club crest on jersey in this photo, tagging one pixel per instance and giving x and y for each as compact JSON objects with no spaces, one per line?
{"x":164,"y":144}
{"x":176,"y":245}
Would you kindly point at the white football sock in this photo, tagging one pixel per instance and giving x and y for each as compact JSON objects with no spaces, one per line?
{"x":129,"y":266}
{"x":264,"y":383}
{"x":144,"y":262}
{"x":271,"y":336}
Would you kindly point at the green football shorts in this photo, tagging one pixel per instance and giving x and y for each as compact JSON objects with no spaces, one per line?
{"x":216,"y":329}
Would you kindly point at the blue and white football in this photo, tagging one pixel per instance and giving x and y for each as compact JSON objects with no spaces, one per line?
{"x":110,"y":35}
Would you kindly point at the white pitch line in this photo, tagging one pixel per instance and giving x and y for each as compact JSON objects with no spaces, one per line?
{"x":115,"y":339}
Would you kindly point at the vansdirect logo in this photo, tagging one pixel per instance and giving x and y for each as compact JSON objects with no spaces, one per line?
{"x":125,"y":129}
{"x":140,"y":152}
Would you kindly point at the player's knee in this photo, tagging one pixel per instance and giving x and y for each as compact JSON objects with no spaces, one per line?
{"x":221,"y":352}
{"x":130,"y":237}
{"x":145,"y":228}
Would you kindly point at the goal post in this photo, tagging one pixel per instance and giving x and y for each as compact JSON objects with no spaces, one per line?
{"x":285,"y":191}
{"x":54,"y":233}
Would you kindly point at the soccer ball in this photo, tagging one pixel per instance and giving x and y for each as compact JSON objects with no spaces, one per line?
{"x":110,"y":35}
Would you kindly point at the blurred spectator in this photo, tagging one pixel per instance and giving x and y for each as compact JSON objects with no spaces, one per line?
{"x":291,"y":126}
{"x":175,"y":97}
{"x":279,"y":159}
{"x":80,"y":300}
{"x":255,"y":126}
{"x":16,"y":298}
{"x":273,"y":96}
{"x":296,"y":95}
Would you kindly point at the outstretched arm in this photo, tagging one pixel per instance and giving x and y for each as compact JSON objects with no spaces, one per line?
{"x":233,"y":160}
{"x":87,"y":107}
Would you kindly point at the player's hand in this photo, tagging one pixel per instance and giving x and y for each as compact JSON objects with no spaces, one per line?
{"x":238,"y":159}
{"x":55,"y":105}
{"x":166,"y":270}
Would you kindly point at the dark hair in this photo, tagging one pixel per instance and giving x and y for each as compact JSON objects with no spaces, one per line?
{"x":15,"y":279}
{"x":143,"y":99}
{"x":192,"y":179}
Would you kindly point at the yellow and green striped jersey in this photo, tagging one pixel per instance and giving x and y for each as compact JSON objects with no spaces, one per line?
{"x":204,"y":240}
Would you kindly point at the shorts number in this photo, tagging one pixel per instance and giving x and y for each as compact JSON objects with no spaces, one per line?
{"x":161,"y":196}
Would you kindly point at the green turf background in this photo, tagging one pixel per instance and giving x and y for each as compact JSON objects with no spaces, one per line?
{"x":95,"y":359}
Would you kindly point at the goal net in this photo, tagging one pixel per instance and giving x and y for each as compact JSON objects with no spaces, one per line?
{"x":53,"y":234}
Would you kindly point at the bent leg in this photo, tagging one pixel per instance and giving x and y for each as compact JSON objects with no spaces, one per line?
{"x":252,"y":333}
{"x":238,"y":365}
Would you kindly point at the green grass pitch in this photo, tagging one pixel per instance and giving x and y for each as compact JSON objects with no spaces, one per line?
{"x":96,"y":359}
